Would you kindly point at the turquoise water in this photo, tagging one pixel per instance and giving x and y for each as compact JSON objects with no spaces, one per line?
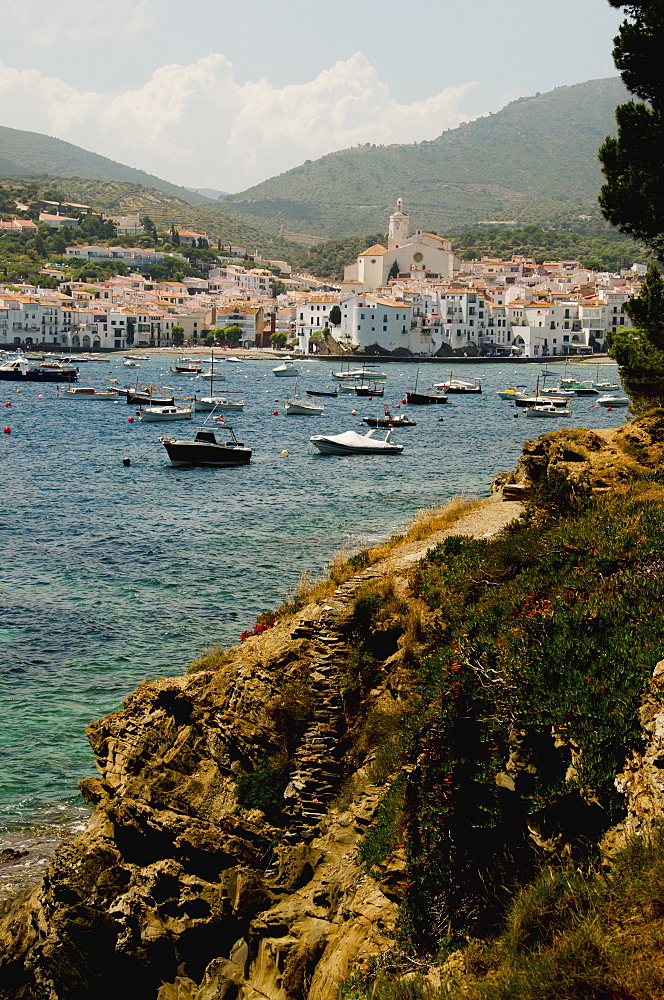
{"x":113,"y":574}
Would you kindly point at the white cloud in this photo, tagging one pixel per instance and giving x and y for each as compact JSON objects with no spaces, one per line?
{"x":195,"y":125}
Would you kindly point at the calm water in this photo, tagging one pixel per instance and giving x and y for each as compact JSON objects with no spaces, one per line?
{"x":112,"y":574}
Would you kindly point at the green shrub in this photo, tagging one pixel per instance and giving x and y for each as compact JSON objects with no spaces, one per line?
{"x":546,"y":640}
{"x":263,"y":788}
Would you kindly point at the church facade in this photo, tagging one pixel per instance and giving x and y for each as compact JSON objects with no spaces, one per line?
{"x":422,"y":255}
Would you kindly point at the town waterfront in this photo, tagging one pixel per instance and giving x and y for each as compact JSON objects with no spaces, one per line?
{"x":115,"y":574}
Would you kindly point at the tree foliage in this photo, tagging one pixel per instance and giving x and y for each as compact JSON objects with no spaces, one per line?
{"x":633,"y":196}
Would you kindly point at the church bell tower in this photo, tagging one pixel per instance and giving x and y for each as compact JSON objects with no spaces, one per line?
{"x":399,"y":227}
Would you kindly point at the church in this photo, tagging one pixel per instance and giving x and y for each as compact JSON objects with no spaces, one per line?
{"x":422,"y":255}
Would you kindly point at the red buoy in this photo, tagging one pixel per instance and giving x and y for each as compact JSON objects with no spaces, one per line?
{"x":130,"y":420}
{"x":275,"y":413}
{"x":8,"y":404}
{"x":6,"y":430}
{"x":353,"y":413}
{"x":404,"y":400}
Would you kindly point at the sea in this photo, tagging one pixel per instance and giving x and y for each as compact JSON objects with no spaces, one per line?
{"x":114,"y":573}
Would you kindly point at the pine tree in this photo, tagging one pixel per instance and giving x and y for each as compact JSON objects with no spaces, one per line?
{"x":633,"y":197}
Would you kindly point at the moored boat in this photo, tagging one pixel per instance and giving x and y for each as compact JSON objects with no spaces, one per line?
{"x":613,"y":400}
{"x":208,"y":403}
{"x":154,"y":414}
{"x":352,"y":443}
{"x":88,"y":393}
{"x":286,"y":370}
{"x":204,"y":449}
{"x":21,"y":370}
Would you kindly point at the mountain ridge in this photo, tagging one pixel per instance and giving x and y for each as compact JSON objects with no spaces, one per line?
{"x":503,"y":166}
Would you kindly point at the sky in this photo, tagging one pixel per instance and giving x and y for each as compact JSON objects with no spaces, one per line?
{"x":221,"y":95}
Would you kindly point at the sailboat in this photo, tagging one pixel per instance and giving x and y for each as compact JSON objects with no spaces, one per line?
{"x":421,"y":398}
{"x":296,"y":406}
{"x":207,"y":403}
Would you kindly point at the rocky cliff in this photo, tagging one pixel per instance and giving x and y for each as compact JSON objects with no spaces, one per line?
{"x":178,"y":890}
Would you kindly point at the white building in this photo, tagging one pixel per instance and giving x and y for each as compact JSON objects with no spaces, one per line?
{"x":421,"y":256}
{"x":367,"y":320}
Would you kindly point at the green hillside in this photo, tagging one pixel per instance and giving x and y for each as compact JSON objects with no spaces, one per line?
{"x":534,"y":162}
{"x":30,"y":154}
{"x":114,"y":197}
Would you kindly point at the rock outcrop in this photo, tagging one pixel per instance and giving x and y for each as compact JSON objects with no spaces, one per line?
{"x":176,"y":889}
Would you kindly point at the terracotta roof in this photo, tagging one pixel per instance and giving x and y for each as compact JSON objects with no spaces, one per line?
{"x":375,"y":251}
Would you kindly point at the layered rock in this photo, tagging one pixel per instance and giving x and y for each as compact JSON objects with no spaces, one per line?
{"x":176,"y":890}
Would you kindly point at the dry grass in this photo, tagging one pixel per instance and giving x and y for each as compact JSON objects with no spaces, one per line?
{"x":428,"y":522}
{"x":214,"y":658}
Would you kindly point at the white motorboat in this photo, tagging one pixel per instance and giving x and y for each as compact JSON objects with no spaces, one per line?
{"x":87,"y":392}
{"x":352,"y":443}
{"x":234,"y":360}
{"x":158,"y":413}
{"x":302,"y":407}
{"x":204,"y":449}
{"x":613,"y":401}
{"x":286,"y":370}
{"x":460,"y":385}
{"x":217,"y":376}
{"x":208,"y":403}
{"x":547,"y":410}
{"x":137,"y":357}
{"x":130,"y":363}
{"x":607,"y":386}
{"x":360,"y":374}
{"x":18,"y":369}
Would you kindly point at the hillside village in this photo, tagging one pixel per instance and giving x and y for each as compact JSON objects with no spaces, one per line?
{"x":410,"y":297}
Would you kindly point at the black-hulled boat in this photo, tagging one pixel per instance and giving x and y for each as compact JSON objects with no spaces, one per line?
{"x":389,"y":420}
{"x":370,"y":389}
{"x":22,"y":370}
{"x":204,"y":449}
{"x":423,"y":399}
{"x":312,"y":392}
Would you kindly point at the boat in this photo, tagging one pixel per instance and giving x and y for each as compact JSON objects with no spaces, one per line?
{"x":312,"y":392}
{"x":208,"y":403}
{"x":186,"y":368}
{"x":88,"y":392}
{"x":204,"y":449}
{"x":286,"y":370}
{"x":370,"y":389}
{"x":347,"y":388}
{"x":389,"y":420}
{"x":234,"y":360}
{"x":211,"y":402}
{"x":460,"y":385}
{"x":352,"y":443}
{"x":137,"y":357}
{"x":20,"y":370}
{"x":129,"y":363}
{"x":537,"y":399}
{"x":578,"y":388}
{"x":360,"y":374}
{"x":218,"y":376}
{"x":157,"y":413}
{"x":416,"y":398}
{"x":302,"y":408}
{"x":547,"y":410}
{"x":422,"y":399}
{"x":604,"y":386}
{"x":139,"y":397}
{"x":613,"y":401}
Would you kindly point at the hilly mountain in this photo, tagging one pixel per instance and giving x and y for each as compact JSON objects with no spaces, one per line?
{"x":31,"y":154}
{"x":533,"y":162}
